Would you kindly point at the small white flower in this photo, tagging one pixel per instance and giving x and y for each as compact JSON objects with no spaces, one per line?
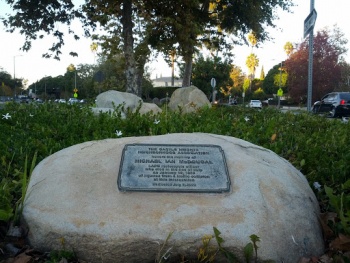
{"x":317,"y":186}
{"x":6,"y":116}
{"x":156,"y":121}
{"x":246,"y":118}
{"x":31,"y":115}
{"x":118,"y":133}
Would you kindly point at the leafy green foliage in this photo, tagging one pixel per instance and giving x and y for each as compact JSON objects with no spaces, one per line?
{"x":340,"y":202}
{"x":317,"y":146}
{"x":248,"y":252}
{"x":57,"y":256}
{"x":204,"y":69}
{"x":228,"y":255}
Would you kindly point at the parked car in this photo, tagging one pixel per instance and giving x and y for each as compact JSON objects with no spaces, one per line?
{"x":334,"y":104}
{"x":38,"y":100}
{"x":255,"y":104}
{"x":61,"y":101}
{"x":233,"y":102}
{"x":73,"y":100}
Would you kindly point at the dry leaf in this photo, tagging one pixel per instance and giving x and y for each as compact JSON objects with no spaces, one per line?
{"x":273,"y":137}
{"x":325,"y":259}
{"x":342,"y":243}
{"x":304,"y":260}
{"x":22,"y":258}
{"x":327,"y":231}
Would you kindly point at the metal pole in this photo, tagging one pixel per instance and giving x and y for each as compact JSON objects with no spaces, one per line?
{"x":311,"y":44}
{"x":280,"y":84}
{"x":14,"y":76}
{"x":14,"y":73}
{"x":172,"y":67}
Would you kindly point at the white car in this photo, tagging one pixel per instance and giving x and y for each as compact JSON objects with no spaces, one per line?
{"x":73,"y":100}
{"x":255,"y":104}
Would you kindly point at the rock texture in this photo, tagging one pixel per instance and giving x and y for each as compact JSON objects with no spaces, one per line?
{"x":149,"y":107}
{"x":73,"y":194}
{"x":109,"y":100}
{"x":188,"y":99}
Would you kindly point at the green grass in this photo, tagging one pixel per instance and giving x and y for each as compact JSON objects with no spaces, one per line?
{"x":317,"y":146}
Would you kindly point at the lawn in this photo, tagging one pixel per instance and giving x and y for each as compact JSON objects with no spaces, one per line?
{"x":317,"y":146}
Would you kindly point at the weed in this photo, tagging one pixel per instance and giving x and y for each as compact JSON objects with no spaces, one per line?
{"x":340,"y":201}
{"x":163,"y":254}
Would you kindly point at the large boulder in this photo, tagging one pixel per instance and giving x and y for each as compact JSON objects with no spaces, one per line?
{"x":110,"y":100}
{"x":188,"y":99}
{"x":77,"y":195}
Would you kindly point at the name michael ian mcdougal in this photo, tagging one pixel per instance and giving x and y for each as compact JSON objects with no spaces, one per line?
{"x":180,"y":161}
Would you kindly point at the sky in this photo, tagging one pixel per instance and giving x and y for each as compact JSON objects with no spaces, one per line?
{"x":290,"y":27}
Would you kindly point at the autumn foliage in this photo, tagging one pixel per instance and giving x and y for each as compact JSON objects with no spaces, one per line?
{"x":326,"y":75}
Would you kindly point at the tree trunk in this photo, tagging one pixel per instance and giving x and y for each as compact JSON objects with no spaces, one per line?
{"x":186,"y":81}
{"x":142,"y":52}
{"x":130,"y":64}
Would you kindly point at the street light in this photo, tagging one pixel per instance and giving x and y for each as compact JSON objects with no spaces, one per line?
{"x":14,"y":73}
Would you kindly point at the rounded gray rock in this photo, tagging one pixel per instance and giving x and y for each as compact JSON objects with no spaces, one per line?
{"x":73,"y":195}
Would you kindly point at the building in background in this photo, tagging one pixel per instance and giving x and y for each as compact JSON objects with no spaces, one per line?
{"x":166,"y":82}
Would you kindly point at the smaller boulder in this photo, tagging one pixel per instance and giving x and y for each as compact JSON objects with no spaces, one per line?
{"x":149,"y":107}
{"x":155,"y":101}
{"x":110,"y":100}
{"x":113,"y":98}
{"x":188,"y":99}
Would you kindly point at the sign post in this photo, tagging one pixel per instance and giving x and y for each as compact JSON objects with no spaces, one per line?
{"x":309,"y":24}
{"x":279,"y":95}
{"x":213,"y":84}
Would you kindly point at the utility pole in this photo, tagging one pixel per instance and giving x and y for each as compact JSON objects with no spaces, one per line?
{"x":309,"y":24}
{"x":14,"y":73}
{"x":280,"y":88}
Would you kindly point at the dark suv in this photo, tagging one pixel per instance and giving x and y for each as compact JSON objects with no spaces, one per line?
{"x":335,"y":104}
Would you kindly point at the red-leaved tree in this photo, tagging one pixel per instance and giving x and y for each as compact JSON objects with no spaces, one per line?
{"x":327,"y":54}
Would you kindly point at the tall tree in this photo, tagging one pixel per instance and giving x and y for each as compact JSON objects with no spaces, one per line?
{"x":177,"y":23}
{"x":288,"y":48}
{"x":345,"y":75}
{"x":186,"y":25}
{"x":276,"y":77}
{"x":327,"y":53}
{"x":124,"y":22}
{"x":204,"y":69}
{"x":6,"y":82}
{"x":252,"y":63}
{"x":262,"y":73}
{"x":237,"y":77}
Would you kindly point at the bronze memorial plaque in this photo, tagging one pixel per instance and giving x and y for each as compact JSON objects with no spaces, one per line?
{"x":173,"y":168}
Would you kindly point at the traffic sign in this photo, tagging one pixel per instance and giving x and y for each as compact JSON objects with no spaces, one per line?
{"x":309,"y":22}
{"x":75,"y":95}
{"x":213,"y":82}
{"x":280,"y":92}
{"x":75,"y":90}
